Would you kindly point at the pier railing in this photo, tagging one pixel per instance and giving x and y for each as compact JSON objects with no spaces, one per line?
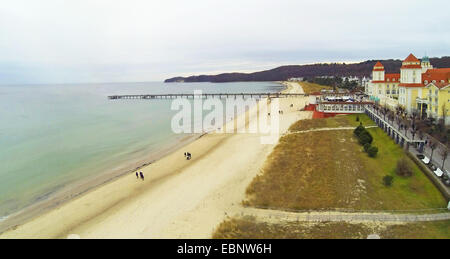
{"x":206,"y":95}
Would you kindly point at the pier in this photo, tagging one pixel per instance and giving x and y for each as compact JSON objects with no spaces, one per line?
{"x":206,"y":95}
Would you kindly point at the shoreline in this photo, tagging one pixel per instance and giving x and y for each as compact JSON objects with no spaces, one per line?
{"x":213,"y":141}
{"x":72,"y":190}
{"x":77,"y":188}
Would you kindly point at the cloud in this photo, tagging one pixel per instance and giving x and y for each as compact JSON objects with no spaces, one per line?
{"x":52,"y":41}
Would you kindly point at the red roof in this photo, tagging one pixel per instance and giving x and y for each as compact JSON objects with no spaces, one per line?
{"x":392,"y":77}
{"x":389,"y":78}
{"x":378,"y":67}
{"x":440,"y":76}
{"x":411,"y":58}
{"x":411,"y":62}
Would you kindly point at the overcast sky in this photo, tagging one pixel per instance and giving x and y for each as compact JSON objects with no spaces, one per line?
{"x":62,"y":41}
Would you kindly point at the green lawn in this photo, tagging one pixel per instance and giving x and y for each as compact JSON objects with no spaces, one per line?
{"x":407,"y":192}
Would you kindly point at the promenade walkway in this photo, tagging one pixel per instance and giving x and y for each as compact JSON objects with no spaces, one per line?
{"x":326,"y":129}
{"x":271,"y":215}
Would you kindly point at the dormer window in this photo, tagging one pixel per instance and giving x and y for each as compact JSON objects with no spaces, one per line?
{"x":426,"y":82}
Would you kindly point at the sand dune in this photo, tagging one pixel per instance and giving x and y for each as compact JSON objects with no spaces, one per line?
{"x":178,"y":199}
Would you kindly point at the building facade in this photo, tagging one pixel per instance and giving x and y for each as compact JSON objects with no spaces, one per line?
{"x":417,"y":88}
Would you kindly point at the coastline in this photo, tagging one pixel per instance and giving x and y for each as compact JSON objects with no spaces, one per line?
{"x":81,"y":187}
{"x":121,"y":196}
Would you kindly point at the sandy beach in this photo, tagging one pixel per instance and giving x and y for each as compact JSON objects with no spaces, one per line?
{"x":178,"y":199}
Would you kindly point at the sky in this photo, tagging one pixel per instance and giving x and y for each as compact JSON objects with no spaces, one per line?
{"x":90,"y":41}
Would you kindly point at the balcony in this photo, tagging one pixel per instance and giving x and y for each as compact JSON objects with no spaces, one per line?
{"x":422,"y":100}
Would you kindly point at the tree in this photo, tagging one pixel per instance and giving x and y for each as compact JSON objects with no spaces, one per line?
{"x":372,"y":151}
{"x":403,"y":167}
{"x":444,"y":115}
{"x":359,"y":130}
{"x":433,"y":146}
{"x":365,"y":137}
{"x":420,"y":134}
{"x":398,"y":119}
{"x":444,"y":154}
{"x":413,"y":131}
{"x":405,"y":126}
{"x":387,"y":180}
{"x":366,"y":147}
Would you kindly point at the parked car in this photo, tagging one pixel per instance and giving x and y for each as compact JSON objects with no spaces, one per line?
{"x":432,"y":167}
{"x":438,"y":172}
{"x":425,"y":160}
{"x":446,"y":182}
{"x":446,"y":178}
{"x":419,"y":156}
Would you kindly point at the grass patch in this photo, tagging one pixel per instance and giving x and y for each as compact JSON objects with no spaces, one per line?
{"x":309,"y":88}
{"x":329,"y":169}
{"x":249,"y":228}
{"x":338,"y":121}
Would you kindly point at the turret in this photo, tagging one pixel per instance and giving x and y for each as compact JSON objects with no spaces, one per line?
{"x":378,"y":72}
{"x":411,"y":72}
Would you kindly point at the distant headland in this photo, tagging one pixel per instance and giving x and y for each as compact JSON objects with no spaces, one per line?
{"x":320,"y":69}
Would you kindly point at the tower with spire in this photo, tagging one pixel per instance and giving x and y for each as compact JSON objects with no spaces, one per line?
{"x":425,"y":63}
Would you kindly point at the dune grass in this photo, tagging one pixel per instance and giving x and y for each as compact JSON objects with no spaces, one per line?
{"x":309,"y":88}
{"x":249,"y":228}
{"x":329,"y":169}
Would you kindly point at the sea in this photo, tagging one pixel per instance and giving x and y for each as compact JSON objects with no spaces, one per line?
{"x":55,"y":136}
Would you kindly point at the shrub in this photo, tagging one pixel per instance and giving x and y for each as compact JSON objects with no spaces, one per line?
{"x":367,"y":146}
{"x":365,"y":137}
{"x":387,"y":180}
{"x":372,"y":151}
{"x":359,"y":130}
{"x":404,"y":168}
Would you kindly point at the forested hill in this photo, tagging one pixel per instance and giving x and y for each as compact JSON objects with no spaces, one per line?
{"x":286,"y":72}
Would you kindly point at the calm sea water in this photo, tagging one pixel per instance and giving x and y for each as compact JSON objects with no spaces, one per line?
{"x":55,"y":135}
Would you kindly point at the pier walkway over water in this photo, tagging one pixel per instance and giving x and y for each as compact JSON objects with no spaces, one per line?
{"x":206,"y":95}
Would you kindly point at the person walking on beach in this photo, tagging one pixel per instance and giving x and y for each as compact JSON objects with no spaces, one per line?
{"x":142,"y":176}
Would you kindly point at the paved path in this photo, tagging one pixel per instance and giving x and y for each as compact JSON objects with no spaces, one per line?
{"x":326,"y":129}
{"x":269,"y":215}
